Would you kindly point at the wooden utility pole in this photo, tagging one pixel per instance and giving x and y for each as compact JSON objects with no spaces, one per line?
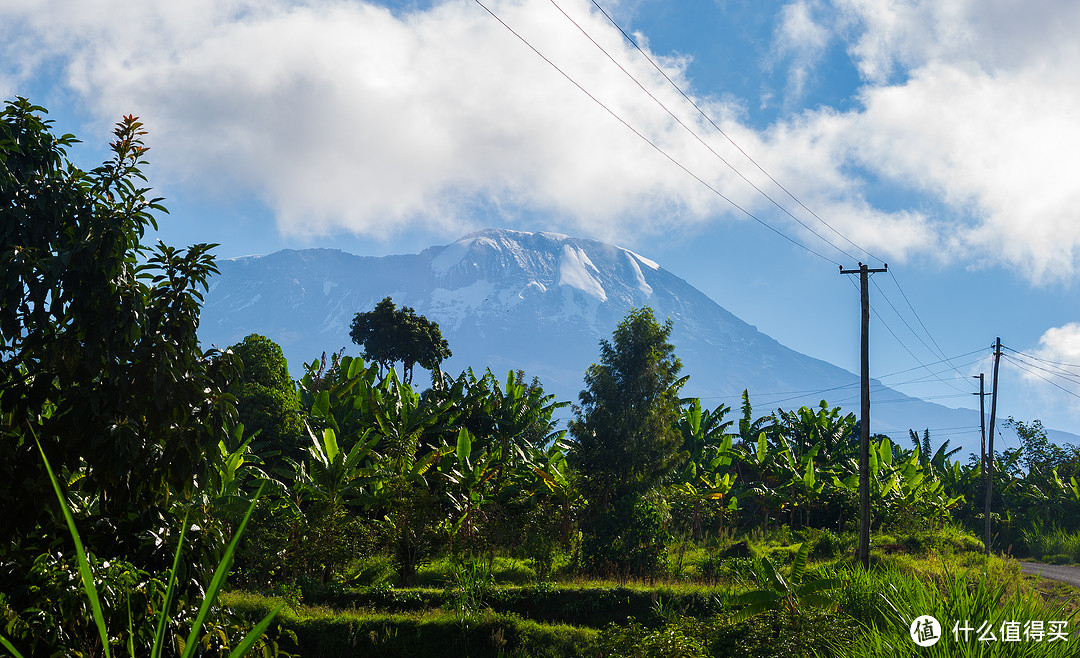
{"x":864,"y":273}
{"x":990,"y":444}
{"x":982,"y":419}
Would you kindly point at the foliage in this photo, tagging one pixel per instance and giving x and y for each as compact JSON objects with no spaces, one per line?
{"x":626,"y":441}
{"x":389,"y":334}
{"x":71,"y":632}
{"x":967,"y":599}
{"x":625,"y":430}
{"x":98,"y":348}
{"x":266,"y":402}
{"x":788,"y":595}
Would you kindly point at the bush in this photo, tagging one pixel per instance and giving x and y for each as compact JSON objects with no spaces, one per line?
{"x":631,"y":539}
{"x":765,"y":636}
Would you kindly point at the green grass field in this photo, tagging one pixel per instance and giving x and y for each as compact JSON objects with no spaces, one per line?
{"x":698,"y":608}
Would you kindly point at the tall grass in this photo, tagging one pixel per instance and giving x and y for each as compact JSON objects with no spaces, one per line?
{"x":1044,"y":542}
{"x":189,"y":646}
{"x":887,"y":600}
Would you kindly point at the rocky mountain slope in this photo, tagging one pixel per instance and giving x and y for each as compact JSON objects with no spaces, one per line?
{"x":540,"y":302}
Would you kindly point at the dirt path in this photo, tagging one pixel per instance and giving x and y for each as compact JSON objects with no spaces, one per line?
{"x":1070,"y":575}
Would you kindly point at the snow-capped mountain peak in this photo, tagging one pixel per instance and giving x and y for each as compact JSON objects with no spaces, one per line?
{"x":539,"y":302}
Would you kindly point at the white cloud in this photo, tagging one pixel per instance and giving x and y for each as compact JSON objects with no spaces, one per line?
{"x":1060,"y":344}
{"x":973,"y":103}
{"x":1050,"y":372}
{"x":347,"y":116}
{"x":800,"y":37}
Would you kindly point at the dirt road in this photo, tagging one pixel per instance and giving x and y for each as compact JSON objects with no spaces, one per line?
{"x":1070,"y":575}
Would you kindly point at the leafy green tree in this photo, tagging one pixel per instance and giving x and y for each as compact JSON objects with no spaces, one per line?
{"x":101,"y":364}
{"x":99,"y":356}
{"x":267,"y":402}
{"x":626,"y":428}
{"x":627,"y":440}
{"x":1039,"y":451}
{"x":390,"y":335}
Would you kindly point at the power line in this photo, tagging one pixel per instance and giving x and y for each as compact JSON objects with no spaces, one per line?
{"x":693,"y":133}
{"x":726,"y":136}
{"x":1056,"y":363}
{"x":940,"y":352}
{"x":1020,"y":364}
{"x":913,"y":332}
{"x":1067,"y":376}
{"x":711,"y":188}
{"x":650,"y":142}
{"x":908,"y":350}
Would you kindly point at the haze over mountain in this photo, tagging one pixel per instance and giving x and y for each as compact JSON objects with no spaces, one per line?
{"x":540,"y":302}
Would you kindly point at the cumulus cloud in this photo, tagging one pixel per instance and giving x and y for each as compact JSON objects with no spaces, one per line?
{"x":800,"y":40}
{"x":349,"y":116}
{"x":972,"y":103}
{"x":1051,"y":370}
{"x":346,"y":115}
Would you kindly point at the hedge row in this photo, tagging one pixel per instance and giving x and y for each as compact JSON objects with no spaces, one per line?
{"x":594,"y":607}
{"x":324,"y":632}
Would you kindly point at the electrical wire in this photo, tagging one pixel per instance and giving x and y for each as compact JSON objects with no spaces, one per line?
{"x":938,"y":353}
{"x":715,"y":191}
{"x":907,"y":349}
{"x":1032,"y":356}
{"x":653,"y":144}
{"x":726,"y":136}
{"x":1020,"y":364}
{"x":1072,"y":378}
{"x":694,"y":134}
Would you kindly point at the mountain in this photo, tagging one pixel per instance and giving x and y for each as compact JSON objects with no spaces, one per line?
{"x":539,"y":302}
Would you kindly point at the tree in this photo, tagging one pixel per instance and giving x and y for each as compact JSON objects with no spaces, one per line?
{"x":627,"y":440}
{"x":266,"y":401}
{"x":99,"y":358}
{"x":389,"y":335}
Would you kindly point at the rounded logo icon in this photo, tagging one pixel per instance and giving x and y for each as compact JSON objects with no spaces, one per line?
{"x":925,"y":631}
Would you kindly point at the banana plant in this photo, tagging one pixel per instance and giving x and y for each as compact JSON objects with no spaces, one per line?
{"x":235,"y":471}
{"x":550,"y":465}
{"x":334,"y":476}
{"x":339,"y":399}
{"x":824,"y":427}
{"x":790,"y":595}
{"x":750,"y":429}
{"x":401,"y":418}
{"x":705,"y":438}
{"x":469,"y":476}
{"x":769,"y":479}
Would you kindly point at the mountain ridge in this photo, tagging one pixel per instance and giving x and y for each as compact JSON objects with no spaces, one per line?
{"x":538,"y":302}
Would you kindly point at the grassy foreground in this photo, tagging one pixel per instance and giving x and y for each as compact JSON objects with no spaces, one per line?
{"x":826,"y":607}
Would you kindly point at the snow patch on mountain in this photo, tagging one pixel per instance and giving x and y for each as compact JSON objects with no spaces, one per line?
{"x":574,"y":266}
{"x":651,"y":264}
{"x":451,"y":257}
{"x":642,"y":284}
{"x":453,"y":306}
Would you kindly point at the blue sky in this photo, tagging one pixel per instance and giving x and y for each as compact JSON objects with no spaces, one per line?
{"x":941,"y":136}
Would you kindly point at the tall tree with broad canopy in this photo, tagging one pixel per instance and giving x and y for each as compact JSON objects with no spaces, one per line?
{"x":389,"y":334}
{"x":626,"y":428}
{"x":99,"y":359}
